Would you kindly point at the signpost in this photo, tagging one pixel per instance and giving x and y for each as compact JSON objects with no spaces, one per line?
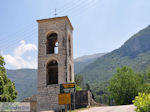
{"x":67,"y":88}
{"x":64,"y":98}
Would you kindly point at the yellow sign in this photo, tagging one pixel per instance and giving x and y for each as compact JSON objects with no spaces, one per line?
{"x":71,"y":85}
{"x":67,"y":88}
{"x":64,"y":99}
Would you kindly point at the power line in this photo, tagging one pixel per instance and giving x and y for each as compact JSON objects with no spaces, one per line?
{"x":68,"y":5}
{"x":78,"y":9}
{"x":72,"y":6}
{"x":77,"y":5}
{"x":17,"y":37}
{"x":17,"y":32}
{"x":85,"y":9}
{"x":10,"y":46}
{"x":22,"y":36}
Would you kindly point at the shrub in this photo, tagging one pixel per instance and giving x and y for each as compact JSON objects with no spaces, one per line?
{"x":142,"y":102}
{"x":78,"y":88}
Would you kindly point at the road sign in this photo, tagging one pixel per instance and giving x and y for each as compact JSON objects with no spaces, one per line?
{"x":67,"y":88}
{"x":64,"y":99}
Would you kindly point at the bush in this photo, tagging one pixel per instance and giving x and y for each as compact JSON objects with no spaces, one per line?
{"x":78,"y":88}
{"x":142,"y":102}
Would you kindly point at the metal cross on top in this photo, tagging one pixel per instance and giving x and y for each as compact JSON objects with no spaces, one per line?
{"x":55,"y":12}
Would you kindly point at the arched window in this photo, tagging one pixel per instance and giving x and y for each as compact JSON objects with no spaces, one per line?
{"x":52,"y":44}
{"x":52,"y":72}
{"x":69,"y":46}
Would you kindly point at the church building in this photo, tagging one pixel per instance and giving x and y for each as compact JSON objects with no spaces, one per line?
{"x":55,"y":60}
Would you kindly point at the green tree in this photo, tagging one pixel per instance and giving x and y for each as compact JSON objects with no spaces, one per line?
{"x":101,"y":93}
{"x":88,"y":87}
{"x":125,"y":85}
{"x":148,"y":75}
{"x":146,"y":87}
{"x":8,"y":91}
{"x":78,"y":80}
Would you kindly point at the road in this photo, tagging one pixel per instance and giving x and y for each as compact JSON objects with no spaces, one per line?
{"x":124,"y":108}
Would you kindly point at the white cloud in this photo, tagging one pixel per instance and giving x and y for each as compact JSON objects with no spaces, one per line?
{"x":23,"y":48}
{"x":17,"y":61}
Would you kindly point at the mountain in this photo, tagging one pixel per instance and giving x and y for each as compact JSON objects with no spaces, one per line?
{"x":83,"y":61}
{"x":25,"y":82}
{"x":135,"y":53}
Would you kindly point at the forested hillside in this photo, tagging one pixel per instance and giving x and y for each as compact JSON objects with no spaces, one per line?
{"x":81,"y":62}
{"x":135,"y":52}
{"x":25,"y":82}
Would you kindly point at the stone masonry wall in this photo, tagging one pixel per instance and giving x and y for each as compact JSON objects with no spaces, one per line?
{"x":83,"y":99}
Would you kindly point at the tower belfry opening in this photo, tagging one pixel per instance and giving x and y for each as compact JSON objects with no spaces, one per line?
{"x":52,"y":44}
{"x":52,"y":72}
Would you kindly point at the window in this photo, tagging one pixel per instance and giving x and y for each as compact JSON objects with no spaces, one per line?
{"x":52,"y":44}
{"x":52,"y":72}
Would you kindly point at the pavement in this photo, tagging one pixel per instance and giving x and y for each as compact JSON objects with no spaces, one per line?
{"x":124,"y":108}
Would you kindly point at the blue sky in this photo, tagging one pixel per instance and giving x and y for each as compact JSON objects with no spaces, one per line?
{"x":99,"y":25}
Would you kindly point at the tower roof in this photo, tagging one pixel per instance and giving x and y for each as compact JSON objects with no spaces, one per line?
{"x":55,"y":18}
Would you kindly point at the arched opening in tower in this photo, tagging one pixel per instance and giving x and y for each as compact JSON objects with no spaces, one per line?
{"x":52,"y":72}
{"x":52,"y":44}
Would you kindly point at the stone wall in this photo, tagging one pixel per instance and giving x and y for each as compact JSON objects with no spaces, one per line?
{"x":33,"y":103}
{"x":83,"y":99}
{"x":48,"y":98}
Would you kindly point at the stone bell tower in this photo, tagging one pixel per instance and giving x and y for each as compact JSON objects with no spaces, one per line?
{"x":55,"y":60}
